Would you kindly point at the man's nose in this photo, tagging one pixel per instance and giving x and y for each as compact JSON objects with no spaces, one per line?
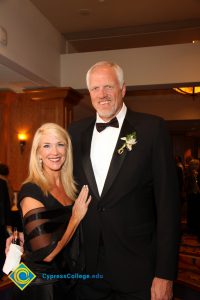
{"x":102,"y":93}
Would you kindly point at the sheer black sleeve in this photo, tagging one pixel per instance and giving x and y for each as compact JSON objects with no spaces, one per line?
{"x":43,"y":228}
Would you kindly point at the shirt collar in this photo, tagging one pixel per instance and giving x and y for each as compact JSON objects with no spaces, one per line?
{"x":120,"y":116}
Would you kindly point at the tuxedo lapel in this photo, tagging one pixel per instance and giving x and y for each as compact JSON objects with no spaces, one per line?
{"x":86,"y":161}
{"x":117,"y":159}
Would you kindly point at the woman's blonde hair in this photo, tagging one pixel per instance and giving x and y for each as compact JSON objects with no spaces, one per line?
{"x":36,"y":174}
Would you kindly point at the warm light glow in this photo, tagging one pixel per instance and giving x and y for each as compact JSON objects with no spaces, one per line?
{"x":22,"y":137}
{"x":188,"y":90}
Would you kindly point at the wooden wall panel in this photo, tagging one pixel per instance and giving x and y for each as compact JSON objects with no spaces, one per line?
{"x":6,"y":100}
{"x":23,"y":113}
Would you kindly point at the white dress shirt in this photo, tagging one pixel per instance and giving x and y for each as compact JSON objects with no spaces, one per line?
{"x":102,"y":148}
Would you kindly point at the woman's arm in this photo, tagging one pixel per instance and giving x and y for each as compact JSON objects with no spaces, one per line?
{"x":79,"y":210}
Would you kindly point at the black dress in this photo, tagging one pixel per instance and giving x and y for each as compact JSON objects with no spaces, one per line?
{"x":43,"y":228}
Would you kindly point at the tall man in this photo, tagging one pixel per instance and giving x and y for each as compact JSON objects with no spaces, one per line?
{"x":132,"y":227}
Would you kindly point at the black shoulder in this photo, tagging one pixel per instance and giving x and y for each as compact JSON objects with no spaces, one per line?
{"x":81,"y":124}
{"x":139,"y":116}
{"x":144,"y":119}
{"x":76,"y":129}
{"x":3,"y":183}
{"x":32,"y":190}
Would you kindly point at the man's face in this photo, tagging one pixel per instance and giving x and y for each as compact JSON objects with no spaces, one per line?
{"x":105,"y":92}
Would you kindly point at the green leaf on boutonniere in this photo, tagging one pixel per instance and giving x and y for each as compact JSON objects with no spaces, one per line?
{"x":130,"y":140}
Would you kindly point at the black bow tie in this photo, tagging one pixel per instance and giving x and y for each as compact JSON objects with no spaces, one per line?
{"x":113,"y":123}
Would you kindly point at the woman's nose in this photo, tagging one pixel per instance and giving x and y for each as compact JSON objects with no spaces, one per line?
{"x":54,"y":149}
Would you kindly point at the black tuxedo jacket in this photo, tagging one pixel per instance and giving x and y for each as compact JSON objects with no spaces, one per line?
{"x":138,"y":211}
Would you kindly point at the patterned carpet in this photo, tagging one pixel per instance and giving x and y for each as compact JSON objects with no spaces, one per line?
{"x":189,"y":262}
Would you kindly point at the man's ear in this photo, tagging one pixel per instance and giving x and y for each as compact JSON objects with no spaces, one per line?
{"x":123,"y":90}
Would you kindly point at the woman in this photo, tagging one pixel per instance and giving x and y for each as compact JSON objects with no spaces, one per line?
{"x":50,"y":215}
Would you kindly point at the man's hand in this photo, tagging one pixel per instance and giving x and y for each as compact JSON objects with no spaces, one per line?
{"x":161,"y":289}
{"x":9,"y":241}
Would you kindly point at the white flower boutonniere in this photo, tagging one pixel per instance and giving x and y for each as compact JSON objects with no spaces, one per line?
{"x":130,"y":140}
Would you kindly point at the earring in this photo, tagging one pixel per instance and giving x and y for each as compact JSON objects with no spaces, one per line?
{"x":40,"y":162}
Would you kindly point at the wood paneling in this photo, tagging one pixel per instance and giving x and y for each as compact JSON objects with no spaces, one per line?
{"x":25,"y":112}
{"x":6,"y":100}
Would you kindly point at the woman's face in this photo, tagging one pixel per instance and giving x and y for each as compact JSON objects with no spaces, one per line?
{"x":52,"y":151}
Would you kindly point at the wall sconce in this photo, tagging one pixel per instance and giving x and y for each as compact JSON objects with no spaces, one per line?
{"x":22,"y":138}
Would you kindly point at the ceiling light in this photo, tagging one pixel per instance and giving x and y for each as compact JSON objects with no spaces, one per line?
{"x":196,"y":42}
{"x":194,"y":90}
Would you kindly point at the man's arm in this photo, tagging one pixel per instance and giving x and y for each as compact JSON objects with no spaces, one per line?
{"x":167,"y":205}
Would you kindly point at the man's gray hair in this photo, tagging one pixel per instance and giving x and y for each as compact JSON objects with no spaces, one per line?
{"x":118,"y":70}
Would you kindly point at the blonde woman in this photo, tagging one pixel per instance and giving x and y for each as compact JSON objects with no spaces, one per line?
{"x":51,"y":213}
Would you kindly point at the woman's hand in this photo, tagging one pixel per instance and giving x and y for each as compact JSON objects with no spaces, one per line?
{"x":81,"y":204}
{"x":9,"y":242}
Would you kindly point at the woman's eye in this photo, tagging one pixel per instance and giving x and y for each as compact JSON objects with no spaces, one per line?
{"x":61,"y":145}
{"x":46,"y":146}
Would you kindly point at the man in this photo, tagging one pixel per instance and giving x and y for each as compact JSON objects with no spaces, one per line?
{"x":131,"y":230}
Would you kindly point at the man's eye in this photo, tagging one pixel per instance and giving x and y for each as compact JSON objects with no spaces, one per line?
{"x":108,"y":87}
{"x":94,"y":88}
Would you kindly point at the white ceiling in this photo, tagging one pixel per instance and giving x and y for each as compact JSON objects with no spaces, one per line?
{"x":94,"y":25}
{"x":12,"y":80}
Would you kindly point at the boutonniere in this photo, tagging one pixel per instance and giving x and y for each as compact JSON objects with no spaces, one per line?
{"x":130,"y":140}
